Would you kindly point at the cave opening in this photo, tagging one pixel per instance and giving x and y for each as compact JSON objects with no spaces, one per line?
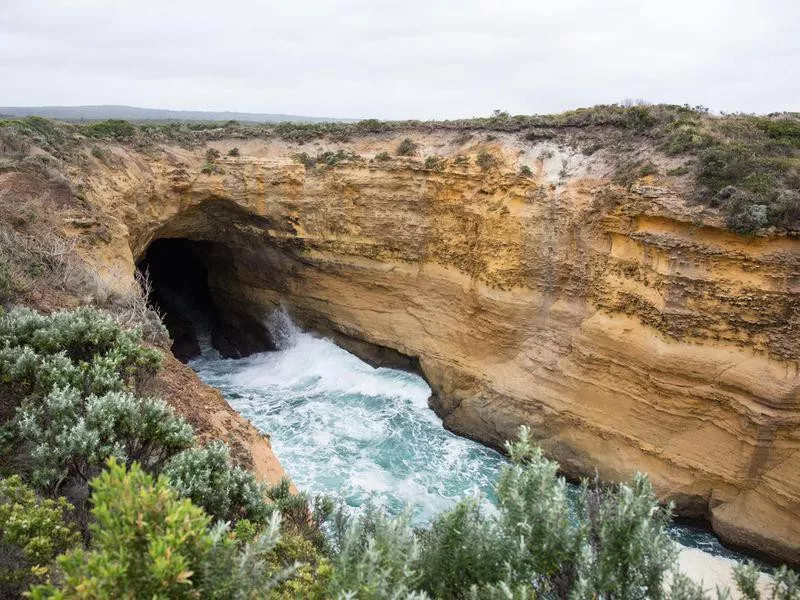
{"x":187,"y":288}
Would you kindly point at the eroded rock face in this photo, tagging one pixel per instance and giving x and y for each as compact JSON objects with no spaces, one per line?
{"x":624,"y":326}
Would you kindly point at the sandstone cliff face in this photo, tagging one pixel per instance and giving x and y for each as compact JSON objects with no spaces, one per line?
{"x":624,"y":326}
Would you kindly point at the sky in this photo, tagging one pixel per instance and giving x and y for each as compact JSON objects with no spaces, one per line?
{"x":400,"y":59}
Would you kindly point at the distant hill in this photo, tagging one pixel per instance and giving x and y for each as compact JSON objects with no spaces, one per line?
{"x":132,"y":113}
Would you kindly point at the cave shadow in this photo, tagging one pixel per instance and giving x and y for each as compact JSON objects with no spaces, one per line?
{"x":198,"y":315}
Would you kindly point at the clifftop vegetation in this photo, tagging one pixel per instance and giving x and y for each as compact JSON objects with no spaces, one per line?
{"x":745,"y":165}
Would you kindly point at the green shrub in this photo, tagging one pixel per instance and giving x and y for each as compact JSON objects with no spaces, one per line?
{"x":312,"y":572}
{"x":212,"y":154}
{"x":33,"y":531}
{"x":302,"y":516}
{"x":71,"y":435}
{"x":785,"y":584}
{"x":146,"y":542}
{"x":75,"y":371}
{"x":304,"y":159}
{"x":786,"y":131}
{"x":383,"y":157}
{"x":486,"y":160}
{"x":406,"y":148}
{"x":112,"y":128}
{"x":207,"y":169}
{"x":525,"y":171}
{"x":615,"y":546}
{"x":378,"y":557}
{"x":233,"y":152}
{"x":648,"y":169}
{"x":678,"y":171}
{"x":461,"y":549}
{"x":82,"y":348}
{"x":226,"y":492}
{"x":434,"y":163}
{"x":747,"y":218}
{"x":324,"y":160}
{"x":7,"y":284}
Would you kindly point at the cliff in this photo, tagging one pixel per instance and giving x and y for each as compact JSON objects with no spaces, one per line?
{"x":625,"y":324}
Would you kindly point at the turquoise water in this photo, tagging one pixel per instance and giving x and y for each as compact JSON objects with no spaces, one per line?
{"x":340,"y":426}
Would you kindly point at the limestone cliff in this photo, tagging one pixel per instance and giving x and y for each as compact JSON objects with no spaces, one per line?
{"x":622,"y":323}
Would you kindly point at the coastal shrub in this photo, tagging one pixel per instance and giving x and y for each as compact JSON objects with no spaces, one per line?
{"x":525,"y":171}
{"x":233,"y":152}
{"x":33,"y":531}
{"x":72,"y":435}
{"x":535,"y":546}
{"x":485,"y":160}
{"x":461,"y":549}
{"x":406,"y":148}
{"x":209,"y":479}
{"x":146,"y":542}
{"x":212,"y":154}
{"x":678,"y":171}
{"x":72,"y":375}
{"x":745,"y":165}
{"x":324,"y":160}
{"x":383,"y":157}
{"x":84,"y":349}
{"x":648,"y":169}
{"x":111,"y":128}
{"x":434,"y":163}
{"x":378,"y":557}
{"x":304,"y":516}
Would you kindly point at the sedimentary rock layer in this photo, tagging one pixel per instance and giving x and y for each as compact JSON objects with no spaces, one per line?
{"x":624,"y":325}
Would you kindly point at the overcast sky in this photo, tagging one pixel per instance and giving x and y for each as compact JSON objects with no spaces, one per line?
{"x":405,"y":59}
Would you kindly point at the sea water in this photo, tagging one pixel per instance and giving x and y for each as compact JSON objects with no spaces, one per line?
{"x":342,"y":427}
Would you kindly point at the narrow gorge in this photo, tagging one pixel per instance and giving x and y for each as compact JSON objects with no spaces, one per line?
{"x":621,"y":321}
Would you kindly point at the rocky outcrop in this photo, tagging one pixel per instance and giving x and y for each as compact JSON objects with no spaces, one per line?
{"x":624,"y":325}
{"x":213,"y":419}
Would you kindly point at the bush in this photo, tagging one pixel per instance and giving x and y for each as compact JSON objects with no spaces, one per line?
{"x":226,"y":492}
{"x":76,"y":371}
{"x":305,"y":518}
{"x":648,"y":169}
{"x":525,"y":171}
{"x":82,"y":348}
{"x":378,"y":557}
{"x":615,"y":546}
{"x":112,"y":128}
{"x":71,"y":436}
{"x":233,"y":152}
{"x":485,"y":160}
{"x":147,"y":540}
{"x":324,"y":160}
{"x":212,"y":154}
{"x":434,"y":163}
{"x":383,"y":157}
{"x":747,"y":218}
{"x":33,"y":531}
{"x":406,"y":148}
{"x":678,"y":171}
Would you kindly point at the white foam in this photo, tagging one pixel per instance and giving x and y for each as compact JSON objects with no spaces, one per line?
{"x":341,"y":426}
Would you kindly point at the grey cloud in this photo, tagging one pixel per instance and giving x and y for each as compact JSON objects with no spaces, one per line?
{"x":409,"y":59}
